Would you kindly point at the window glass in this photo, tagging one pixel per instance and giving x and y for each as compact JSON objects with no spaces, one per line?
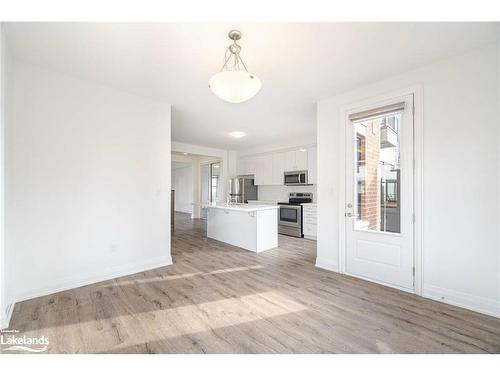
{"x":377,"y":167}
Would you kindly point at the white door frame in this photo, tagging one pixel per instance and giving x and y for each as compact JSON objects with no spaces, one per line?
{"x":374,"y":101}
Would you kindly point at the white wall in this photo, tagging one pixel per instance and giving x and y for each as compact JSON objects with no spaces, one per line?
{"x":87,"y":183}
{"x":182,"y":183}
{"x":5,"y":114}
{"x":286,"y":143}
{"x":3,"y":302}
{"x":498,"y":161}
{"x":2,"y":122}
{"x":460,"y":176}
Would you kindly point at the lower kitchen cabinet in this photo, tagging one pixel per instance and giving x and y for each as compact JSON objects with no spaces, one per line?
{"x":309,"y":220}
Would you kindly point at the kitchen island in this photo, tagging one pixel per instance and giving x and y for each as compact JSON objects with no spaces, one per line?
{"x":249,"y":226}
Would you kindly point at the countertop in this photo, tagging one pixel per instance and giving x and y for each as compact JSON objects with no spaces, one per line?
{"x":240,"y":207}
{"x":262,"y":202}
{"x":309,"y":204}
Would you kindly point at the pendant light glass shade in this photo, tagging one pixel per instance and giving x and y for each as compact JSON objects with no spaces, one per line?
{"x":234,"y":83}
{"x":235,"y":86}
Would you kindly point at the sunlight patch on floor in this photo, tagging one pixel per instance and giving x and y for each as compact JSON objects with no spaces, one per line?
{"x":185,"y":275}
{"x":184,"y":320}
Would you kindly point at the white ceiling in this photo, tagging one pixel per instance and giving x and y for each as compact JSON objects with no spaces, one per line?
{"x":298,"y":64}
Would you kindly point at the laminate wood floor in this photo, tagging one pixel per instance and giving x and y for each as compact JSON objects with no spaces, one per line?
{"x":217,"y":298}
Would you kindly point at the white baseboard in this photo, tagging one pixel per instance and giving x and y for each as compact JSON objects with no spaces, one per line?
{"x":6,"y":317}
{"x":183,"y":212}
{"x":95,"y":277}
{"x":327,"y":264}
{"x":467,"y":301}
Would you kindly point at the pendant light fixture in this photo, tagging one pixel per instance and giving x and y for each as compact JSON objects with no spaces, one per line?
{"x":234,"y":83}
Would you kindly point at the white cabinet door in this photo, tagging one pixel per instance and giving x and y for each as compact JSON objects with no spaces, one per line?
{"x":263,"y":167}
{"x":267,"y":169}
{"x":258,"y":176}
{"x":312,"y":165}
{"x":296,"y":160}
{"x":246,"y":165}
{"x":241,"y":166}
{"x":309,"y":221}
{"x":310,"y":231}
{"x":290,"y":164}
{"x":252,"y":166}
{"x":301,"y":160}
{"x":279,"y":168}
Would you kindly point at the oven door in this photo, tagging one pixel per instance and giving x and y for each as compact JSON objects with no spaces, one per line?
{"x":290,"y":216}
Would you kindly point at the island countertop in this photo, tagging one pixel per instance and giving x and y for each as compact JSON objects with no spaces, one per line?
{"x":252,"y":227}
{"x":244,"y":207}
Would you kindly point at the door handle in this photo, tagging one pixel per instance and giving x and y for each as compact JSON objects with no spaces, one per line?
{"x":349,"y":214}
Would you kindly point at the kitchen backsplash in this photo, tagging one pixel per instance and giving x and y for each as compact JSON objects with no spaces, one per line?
{"x":279,"y":193}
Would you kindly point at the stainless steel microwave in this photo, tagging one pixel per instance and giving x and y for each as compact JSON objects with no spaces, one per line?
{"x":296,"y":178}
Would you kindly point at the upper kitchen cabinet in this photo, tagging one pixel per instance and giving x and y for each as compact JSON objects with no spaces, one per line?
{"x":269,"y":169}
{"x":279,"y":168}
{"x":290,"y":161}
{"x":301,"y":160}
{"x":246,"y":165}
{"x":263,"y":169}
{"x":241,"y":166}
{"x":312,"y":165}
{"x":296,"y":160}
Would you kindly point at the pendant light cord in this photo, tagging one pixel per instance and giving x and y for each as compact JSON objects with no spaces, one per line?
{"x":237,"y":58}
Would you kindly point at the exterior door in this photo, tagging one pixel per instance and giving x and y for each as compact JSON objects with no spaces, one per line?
{"x":379,"y":194}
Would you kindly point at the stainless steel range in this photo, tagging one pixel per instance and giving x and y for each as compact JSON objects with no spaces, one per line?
{"x":290,"y":214}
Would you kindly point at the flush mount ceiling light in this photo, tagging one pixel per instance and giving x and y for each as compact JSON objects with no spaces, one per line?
{"x":234,"y":83}
{"x":237,"y":134}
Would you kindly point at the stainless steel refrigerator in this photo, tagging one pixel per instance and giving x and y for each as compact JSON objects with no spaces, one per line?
{"x":242,"y":189}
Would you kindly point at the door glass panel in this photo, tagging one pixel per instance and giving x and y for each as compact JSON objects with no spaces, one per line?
{"x":378,"y":174}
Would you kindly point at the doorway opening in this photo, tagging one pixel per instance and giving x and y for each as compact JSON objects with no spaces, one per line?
{"x":196,"y":180}
{"x":211,"y":188}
